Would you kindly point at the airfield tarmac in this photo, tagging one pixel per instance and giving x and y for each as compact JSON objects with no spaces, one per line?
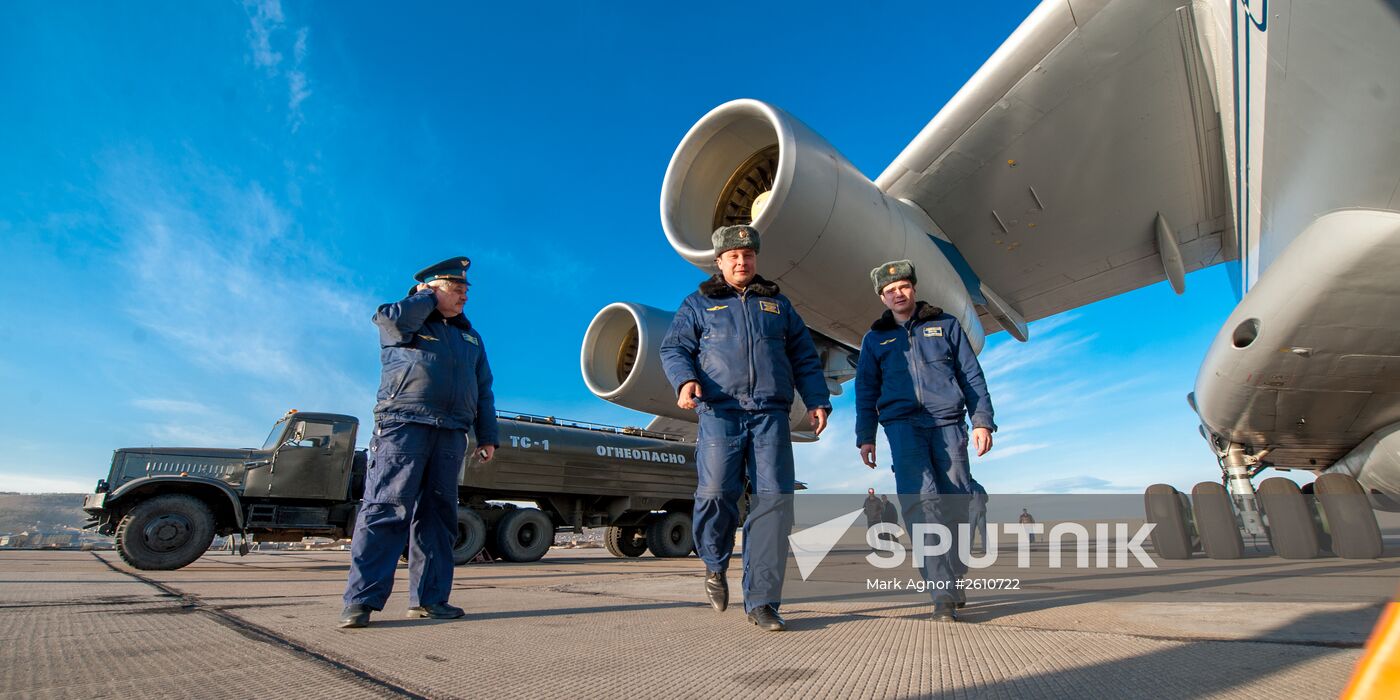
{"x":580,"y":623}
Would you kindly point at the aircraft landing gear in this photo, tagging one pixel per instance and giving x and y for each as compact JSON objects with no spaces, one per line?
{"x":1348,"y":517}
{"x":1333,"y":513}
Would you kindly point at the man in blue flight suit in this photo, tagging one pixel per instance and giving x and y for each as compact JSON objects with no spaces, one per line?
{"x":977,"y":516}
{"x":435,"y":385}
{"x":734,"y":354}
{"x":919,"y":377}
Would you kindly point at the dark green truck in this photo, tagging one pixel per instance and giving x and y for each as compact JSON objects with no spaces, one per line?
{"x":165,"y":505}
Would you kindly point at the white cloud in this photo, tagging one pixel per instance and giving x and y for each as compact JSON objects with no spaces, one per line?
{"x":219,"y":272}
{"x":29,"y":483}
{"x":265,"y":17}
{"x":266,"y":33}
{"x":999,"y":452}
{"x":1084,"y":484}
{"x":176,"y":406}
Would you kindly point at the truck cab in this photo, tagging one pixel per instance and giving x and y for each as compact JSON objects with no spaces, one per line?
{"x":165,"y":505}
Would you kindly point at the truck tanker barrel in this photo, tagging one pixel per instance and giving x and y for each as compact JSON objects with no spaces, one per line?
{"x":638,"y":484}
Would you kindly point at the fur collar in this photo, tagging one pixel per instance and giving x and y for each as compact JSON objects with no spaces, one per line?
{"x":460,"y":320}
{"x":922,"y":312}
{"x":716,"y":287}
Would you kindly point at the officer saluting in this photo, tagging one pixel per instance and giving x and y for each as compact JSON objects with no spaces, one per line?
{"x":734,"y":353}
{"x":919,"y":377}
{"x":435,"y":385}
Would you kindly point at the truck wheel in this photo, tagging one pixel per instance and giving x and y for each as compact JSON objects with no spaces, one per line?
{"x":1350,"y":519}
{"x":625,"y":542}
{"x":670,"y":536}
{"x":165,"y":533}
{"x":524,"y":534}
{"x":471,"y":536}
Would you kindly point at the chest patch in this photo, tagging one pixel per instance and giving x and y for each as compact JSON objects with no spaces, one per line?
{"x":769,"y":306}
{"x":469,"y":338}
{"x":717,"y":308}
{"x":933,"y":332}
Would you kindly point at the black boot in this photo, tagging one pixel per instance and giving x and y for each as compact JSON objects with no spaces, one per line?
{"x":717,"y":590}
{"x":945,"y":611}
{"x":767,"y":619}
{"x":437,"y":611}
{"x":355,"y":616}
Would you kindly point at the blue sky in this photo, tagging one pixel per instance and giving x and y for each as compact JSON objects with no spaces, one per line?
{"x":201,"y":204}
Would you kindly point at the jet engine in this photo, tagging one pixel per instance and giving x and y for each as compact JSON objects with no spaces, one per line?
{"x":824,"y":225}
{"x":621,"y":362}
{"x":621,"y":359}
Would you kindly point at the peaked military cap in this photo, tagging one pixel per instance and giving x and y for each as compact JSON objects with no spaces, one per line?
{"x":454,"y":269}
{"x":891,"y":272}
{"x":732,"y":237}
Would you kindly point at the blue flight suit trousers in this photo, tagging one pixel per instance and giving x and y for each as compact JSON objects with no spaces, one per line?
{"x":733,"y":444}
{"x":934,"y":480}
{"x":410,"y":497}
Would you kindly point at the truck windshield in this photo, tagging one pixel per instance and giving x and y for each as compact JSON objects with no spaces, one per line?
{"x":274,"y":438}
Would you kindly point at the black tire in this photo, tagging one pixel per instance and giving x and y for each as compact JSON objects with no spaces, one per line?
{"x":625,"y":542}
{"x":1215,"y":521}
{"x":524,"y":534}
{"x":165,"y":533}
{"x":1350,"y":520}
{"x":1291,"y":529}
{"x":670,"y":536}
{"x":471,"y":536}
{"x":1170,"y":536}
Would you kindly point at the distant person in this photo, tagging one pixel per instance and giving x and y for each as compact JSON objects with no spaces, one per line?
{"x":977,"y":516}
{"x":435,"y":386}
{"x":874,"y":512}
{"x":1027,"y":519}
{"x":736,"y":354}
{"x":918,"y":376}
{"x":889,"y":513}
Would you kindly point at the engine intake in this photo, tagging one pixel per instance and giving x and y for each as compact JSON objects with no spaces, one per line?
{"x":621,"y":359}
{"x":824,"y":224}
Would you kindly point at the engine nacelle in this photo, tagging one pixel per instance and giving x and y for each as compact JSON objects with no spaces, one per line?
{"x":621,"y":359}
{"x":824,"y":225}
{"x":621,"y":362}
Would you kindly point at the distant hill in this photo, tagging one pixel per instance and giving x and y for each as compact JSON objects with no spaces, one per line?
{"x":22,"y":511}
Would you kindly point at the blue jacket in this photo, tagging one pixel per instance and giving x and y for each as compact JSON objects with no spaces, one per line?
{"x":747,"y":352}
{"x":924,"y":369}
{"x":435,"y":369}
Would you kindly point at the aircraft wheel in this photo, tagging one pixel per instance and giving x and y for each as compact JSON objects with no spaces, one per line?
{"x":1350,"y":520}
{"x":625,"y":542}
{"x":1215,"y":521}
{"x":524,"y":534}
{"x":471,"y":536}
{"x":670,"y":536}
{"x":1291,"y":529}
{"x":1170,"y":537}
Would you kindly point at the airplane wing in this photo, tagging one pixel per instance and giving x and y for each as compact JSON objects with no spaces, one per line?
{"x":687,"y":430}
{"x":1049,"y":169}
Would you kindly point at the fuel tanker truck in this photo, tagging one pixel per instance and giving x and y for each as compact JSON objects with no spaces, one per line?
{"x":164,"y":505}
